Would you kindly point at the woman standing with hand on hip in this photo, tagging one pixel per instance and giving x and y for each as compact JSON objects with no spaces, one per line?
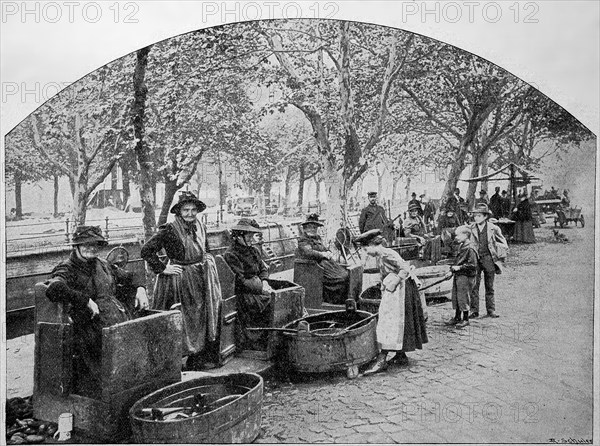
{"x":188,"y":279}
{"x":400,"y":324}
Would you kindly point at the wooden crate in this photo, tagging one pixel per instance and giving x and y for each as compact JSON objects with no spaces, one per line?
{"x":138,"y":357}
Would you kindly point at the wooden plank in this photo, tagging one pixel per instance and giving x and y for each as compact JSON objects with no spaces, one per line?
{"x":308,"y":275}
{"x":227,"y":329}
{"x":355,"y":280}
{"x":53,"y":360}
{"x":143,"y":349}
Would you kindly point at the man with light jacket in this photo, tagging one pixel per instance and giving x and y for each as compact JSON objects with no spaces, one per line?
{"x":492,"y":249}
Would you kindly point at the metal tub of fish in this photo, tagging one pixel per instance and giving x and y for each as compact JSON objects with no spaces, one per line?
{"x":331,"y":341}
{"x":213,"y":409}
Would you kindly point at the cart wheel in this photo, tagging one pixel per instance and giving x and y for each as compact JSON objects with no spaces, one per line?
{"x":582,"y":220}
{"x":352,"y":372}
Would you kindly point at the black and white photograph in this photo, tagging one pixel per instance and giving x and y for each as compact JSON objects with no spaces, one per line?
{"x":300,"y":222}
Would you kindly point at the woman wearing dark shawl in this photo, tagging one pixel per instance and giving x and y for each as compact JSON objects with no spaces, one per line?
{"x":188,"y":280}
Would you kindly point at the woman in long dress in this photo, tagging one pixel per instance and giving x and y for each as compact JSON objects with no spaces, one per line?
{"x":401,"y":322}
{"x":523,"y":221}
{"x":189,"y":280}
{"x":311,"y":247}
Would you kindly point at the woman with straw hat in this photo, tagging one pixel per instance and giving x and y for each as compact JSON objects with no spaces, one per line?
{"x":188,"y":279}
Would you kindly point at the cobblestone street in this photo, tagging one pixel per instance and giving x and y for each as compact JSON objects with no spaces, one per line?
{"x":525,"y":377}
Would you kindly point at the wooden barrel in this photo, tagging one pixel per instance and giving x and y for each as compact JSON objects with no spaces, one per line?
{"x":331,"y":349}
{"x":430,"y":274}
{"x":236,"y":421}
{"x":370,"y":299}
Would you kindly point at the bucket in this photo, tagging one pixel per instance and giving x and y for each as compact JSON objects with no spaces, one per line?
{"x":370,"y":299}
{"x":431,"y":274}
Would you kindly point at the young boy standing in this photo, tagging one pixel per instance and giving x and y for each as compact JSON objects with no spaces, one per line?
{"x":465,"y":271}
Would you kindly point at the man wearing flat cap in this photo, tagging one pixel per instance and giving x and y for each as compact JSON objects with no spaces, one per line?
{"x":251,"y":285}
{"x":373,"y":217}
{"x":311,"y":247}
{"x":97,"y":295}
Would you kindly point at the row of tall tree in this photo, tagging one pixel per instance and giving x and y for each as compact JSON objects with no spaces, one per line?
{"x":350,"y":97}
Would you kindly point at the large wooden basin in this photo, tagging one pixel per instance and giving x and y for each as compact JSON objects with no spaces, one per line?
{"x":237,"y":420}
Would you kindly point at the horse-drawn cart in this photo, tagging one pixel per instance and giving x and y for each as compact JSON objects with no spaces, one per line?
{"x":565,"y":216}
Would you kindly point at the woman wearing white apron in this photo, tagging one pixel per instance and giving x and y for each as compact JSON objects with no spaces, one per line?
{"x":401,"y":324}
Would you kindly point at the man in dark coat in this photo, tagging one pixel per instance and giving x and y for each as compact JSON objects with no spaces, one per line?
{"x":496,"y":203}
{"x":311,"y":247}
{"x":251,"y":286}
{"x":505,"y":204}
{"x":456,"y":204}
{"x":97,"y":295}
{"x":373,"y":217}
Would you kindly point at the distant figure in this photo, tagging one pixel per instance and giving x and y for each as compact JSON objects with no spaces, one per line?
{"x":456,"y":204}
{"x":429,"y":210}
{"x":505,"y":205}
{"x":12,"y":216}
{"x":496,"y":203}
{"x":524,"y":221}
{"x":416,"y":202}
{"x":565,"y":201}
{"x":373,"y":217}
{"x":414,"y":226}
{"x":483,"y":198}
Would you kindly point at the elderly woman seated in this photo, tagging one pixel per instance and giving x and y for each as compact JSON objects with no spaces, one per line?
{"x":311,"y":247}
{"x":251,"y":286}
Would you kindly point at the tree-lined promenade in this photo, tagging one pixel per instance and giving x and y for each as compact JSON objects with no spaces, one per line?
{"x":348,"y":99}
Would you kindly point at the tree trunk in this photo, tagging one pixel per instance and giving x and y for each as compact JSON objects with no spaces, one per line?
{"x":222,"y":187}
{"x":395,"y":182}
{"x":472,"y":188}
{"x":18,"y":196}
{"x":288,"y":189}
{"x":80,"y":201}
{"x":138,"y":111}
{"x":484,"y":170}
{"x":407,"y":188}
{"x":455,"y":171}
{"x":301,"y":181}
{"x":171,"y":189}
{"x":55,"y":197}
{"x":380,"y":184}
{"x":317,"y":190}
{"x":335,"y":213}
{"x":126,"y":186}
{"x":114,"y":190}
